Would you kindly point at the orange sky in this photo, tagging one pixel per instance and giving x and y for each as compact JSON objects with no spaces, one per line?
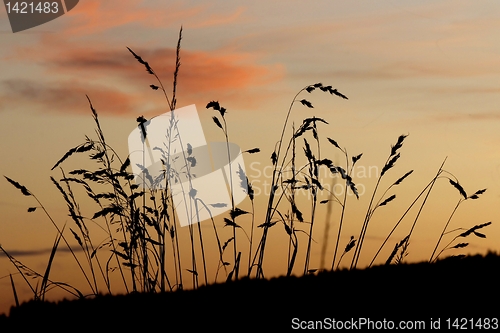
{"x":428,"y":69}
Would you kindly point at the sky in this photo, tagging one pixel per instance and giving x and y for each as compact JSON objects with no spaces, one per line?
{"x":426,"y":69}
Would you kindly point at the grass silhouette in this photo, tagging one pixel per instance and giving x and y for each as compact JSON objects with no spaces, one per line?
{"x":142,"y":238}
{"x":448,"y":288}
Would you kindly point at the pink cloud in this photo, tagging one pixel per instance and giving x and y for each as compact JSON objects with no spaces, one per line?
{"x":93,"y":16}
{"x":72,"y":68}
{"x":121,"y":83}
{"x":201,"y":71}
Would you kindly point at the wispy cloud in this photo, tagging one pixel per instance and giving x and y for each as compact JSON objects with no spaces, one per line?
{"x":62,"y":97}
{"x":467,"y":117}
{"x":113,"y":77}
{"x":407,"y":70}
{"x":200,"y":70}
{"x":94,"y":16}
{"x":38,"y":252}
{"x":219,"y":19}
{"x":465,"y":90}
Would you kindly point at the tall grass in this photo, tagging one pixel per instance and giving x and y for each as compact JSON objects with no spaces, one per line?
{"x":141,"y":243}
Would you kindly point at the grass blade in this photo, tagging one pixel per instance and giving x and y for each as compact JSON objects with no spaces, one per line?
{"x":14,"y":290}
{"x":45,"y":279}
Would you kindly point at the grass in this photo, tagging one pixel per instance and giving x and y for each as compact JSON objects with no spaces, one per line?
{"x":136,"y":211}
{"x":417,"y":292}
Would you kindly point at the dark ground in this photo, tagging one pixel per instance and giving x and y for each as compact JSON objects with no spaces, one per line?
{"x":451,"y":288}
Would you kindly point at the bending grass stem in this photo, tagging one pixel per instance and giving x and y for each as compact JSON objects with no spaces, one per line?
{"x":269,"y":210}
{"x":444,"y":230}
{"x":343,"y":209}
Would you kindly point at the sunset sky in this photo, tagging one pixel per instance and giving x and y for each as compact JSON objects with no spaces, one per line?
{"x":430,"y":69}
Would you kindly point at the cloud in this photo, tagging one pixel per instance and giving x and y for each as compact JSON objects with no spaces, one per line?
{"x":94,"y":16}
{"x":120,"y":84}
{"x":465,"y":90}
{"x":38,"y":252}
{"x":61,"y":97}
{"x":68,"y":69}
{"x":219,"y":19}
{"x":201,"y":71}
{"x":461,"y":117}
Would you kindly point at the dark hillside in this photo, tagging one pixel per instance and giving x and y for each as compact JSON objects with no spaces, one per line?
{"x":454,"y":288}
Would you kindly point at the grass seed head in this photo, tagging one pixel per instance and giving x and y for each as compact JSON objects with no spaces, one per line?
{"x":459,"y":188}
{"x":386,"y":201}
{"x":403,"y":178}
{"x":20,"y":187}
{"x":148,"y":68}
{"x":252,"y":151}
{"x":217,"y":122}
{"x":306,"y":103}
{"x":333,"y":142}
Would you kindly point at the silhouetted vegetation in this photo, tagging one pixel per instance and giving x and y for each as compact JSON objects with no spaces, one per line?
{"x":142,"y":241}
